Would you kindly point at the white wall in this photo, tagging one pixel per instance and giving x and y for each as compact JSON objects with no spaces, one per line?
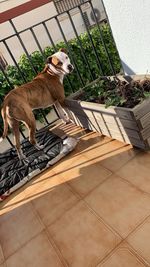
{"x":7,"y":4}
{"x":38,"y":15}
{"x":130,"y":24}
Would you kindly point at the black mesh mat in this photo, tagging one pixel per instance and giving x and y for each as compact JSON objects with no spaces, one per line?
{"x":14,"y":173}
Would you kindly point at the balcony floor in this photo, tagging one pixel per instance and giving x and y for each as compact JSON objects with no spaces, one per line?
{"x":91,"y":209}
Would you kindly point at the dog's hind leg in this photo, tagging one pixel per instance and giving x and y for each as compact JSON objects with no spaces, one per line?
{"x":14,"y":125}
{"x":31,"y":125}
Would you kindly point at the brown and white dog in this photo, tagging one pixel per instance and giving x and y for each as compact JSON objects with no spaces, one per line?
{"x":45,"y":90}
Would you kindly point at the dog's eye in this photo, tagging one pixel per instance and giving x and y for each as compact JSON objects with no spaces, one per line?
{"x":66,"y":57}
{"x":60,"y":63}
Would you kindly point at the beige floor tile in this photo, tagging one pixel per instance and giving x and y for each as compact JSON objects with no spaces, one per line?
{"x":36,"y":253}
{"x":1,"y":254}
{"x":91,"y":140}
{"x":54,"y":203}
{"x":77,"y":157}
{"x":118,"y":159}
{"x":13,"y":201}
{"x":105,"y":150}
{"x":82,"y":239}
{"x":69,"y":163}
{"x":140,"y":240}
{"x":120,"y":204}
{"x":17,"y":227}
{"x":41,"y":185}
{"x":123,"y":256}
{"x":86,"y":178}
{"x":136,"y":171}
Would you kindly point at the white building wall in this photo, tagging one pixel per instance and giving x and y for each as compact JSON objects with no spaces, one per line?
{"x":37,"y":15}
{"x":130,"y":24}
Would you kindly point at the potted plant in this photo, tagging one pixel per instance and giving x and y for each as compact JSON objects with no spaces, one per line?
{"x":118,"y":107}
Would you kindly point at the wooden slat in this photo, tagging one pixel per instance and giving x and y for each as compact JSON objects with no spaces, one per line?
{"x":109,"y":118}
{"x":146,"y":132}
{"x":106,"y":127}
{"x":83,"y":107}
{"x":145,"y":120}
{"x":142,"y":109}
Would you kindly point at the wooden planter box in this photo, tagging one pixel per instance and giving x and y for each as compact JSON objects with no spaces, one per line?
{"x":131,"y":126}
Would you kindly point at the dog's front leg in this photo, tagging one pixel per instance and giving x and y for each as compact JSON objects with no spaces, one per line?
{"x":61,"y":112}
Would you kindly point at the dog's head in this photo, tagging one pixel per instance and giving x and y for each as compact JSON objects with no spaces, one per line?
{"x":60,"y":62}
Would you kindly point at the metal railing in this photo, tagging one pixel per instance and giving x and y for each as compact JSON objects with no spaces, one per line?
{"x":65,"y":5}
{"x":84,"y":57}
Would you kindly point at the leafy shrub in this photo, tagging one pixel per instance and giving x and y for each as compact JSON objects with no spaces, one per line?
{"x":114,"y":92}
{"x":38,"y":61}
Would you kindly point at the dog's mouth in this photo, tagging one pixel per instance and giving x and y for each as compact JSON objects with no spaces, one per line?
{"x":59,"y":70}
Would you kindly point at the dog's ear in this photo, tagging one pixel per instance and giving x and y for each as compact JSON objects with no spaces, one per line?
{"x":52,"y":60}
{"x":49,"y":60}
{"x":63,"y":50}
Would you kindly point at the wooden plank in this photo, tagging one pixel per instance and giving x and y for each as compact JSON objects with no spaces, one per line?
{"x":142,"y":109}
{"x":146,"y":132}
{"x":108,"y":118}
{"x":106,"y":128}
{"x":145,"y":120}
{"x":124,"y":113}
{"x":113,"y":134}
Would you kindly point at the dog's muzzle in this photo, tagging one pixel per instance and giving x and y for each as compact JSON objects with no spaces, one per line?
{"x":70,"y":68}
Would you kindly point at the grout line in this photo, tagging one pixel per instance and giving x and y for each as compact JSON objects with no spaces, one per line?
{"x":59,"y":217}
{"x":85,"y":195}
{"x":123,"y":164}
{"x":113,"y":230}
{"x":50,"y":241}
{"x":142,"y":222}
{"x":133,"y":185}
{"x":138,"y":255}
{"x":56,"y":248}
{"x":109,"y":254}
{"x":138,"y":224}
{"x":129,"y":248}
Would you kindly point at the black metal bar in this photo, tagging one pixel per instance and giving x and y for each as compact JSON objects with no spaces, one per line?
{"x":91,"y":40}
{"x":37,"y":24}
{"x":22,"y":134}
{"x":49,"y":36}
{"x":37,"y":42}
{"x":56,"y":111}
{"x":42,"y":112}
{"x":11,"y":54}
{"x":101,"y":36}
{"x":10,"y":84}
{"x":23,"y":46}
{"x":80,"y":44}
{"x":70,"y":53}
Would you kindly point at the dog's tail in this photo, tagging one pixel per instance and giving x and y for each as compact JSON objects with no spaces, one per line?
{"x":4,"y":116}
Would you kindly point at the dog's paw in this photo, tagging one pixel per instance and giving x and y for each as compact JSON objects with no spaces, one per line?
{"x":23,"y":159}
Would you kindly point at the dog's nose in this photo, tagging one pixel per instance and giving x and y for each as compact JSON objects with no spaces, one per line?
{"x":70,"y":67}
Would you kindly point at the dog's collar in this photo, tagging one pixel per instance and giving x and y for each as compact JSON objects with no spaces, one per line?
{"x":53,"y":72}
{"x":50,"y":72}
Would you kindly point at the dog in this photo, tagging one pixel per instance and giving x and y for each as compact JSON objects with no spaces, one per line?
{"x":44,"y":90}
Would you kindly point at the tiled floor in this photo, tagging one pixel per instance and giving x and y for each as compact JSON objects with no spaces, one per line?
{"x":91,"y":209}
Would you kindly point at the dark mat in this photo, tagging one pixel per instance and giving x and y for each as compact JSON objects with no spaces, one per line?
{"x":14,"y":173}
